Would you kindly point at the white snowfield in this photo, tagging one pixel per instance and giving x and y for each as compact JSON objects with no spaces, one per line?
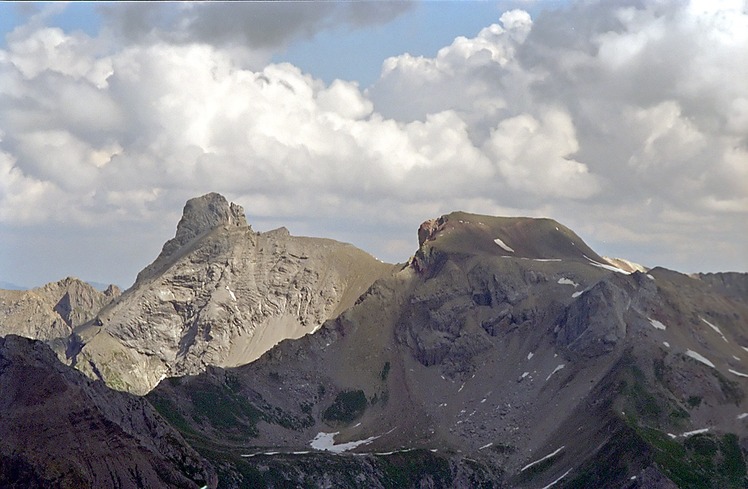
{"x":503,"y":245}
{"x":326,"y":441}
{"x":552,"y":454}
{"x":656,"y":324}
{"x":699,"y":357}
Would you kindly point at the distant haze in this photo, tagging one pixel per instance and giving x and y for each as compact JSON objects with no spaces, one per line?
{"x":625,"y":121}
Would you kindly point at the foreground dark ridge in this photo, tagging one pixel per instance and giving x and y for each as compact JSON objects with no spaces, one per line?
{"x":60,"y":429}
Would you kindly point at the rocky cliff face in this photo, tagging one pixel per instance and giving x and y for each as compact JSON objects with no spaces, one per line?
{"x":506,"y":353}
{"x":60,"y":429}
{"x":51,"y":312}
{"x":220,"y":294}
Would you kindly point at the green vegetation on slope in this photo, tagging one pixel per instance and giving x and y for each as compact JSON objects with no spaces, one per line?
{"x":348,"y":406}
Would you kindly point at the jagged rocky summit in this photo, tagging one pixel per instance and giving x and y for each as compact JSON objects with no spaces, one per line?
{"x":219,"y":294}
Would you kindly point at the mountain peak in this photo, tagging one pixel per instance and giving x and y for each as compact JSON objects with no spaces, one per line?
{"x":200,"y":216}
{"x":519,"y":237}
{"x":207,"y":212}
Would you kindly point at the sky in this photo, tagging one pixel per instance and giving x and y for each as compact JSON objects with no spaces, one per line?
{"x":627,"y":121}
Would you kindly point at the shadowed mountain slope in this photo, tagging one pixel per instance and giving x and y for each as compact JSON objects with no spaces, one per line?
{"x":61,"y":429}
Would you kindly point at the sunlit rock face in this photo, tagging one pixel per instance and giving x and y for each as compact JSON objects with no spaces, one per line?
{"x":220,"y":294}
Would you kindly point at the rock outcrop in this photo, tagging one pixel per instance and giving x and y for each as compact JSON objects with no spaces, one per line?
{"x":220,"y":294}
{"x":61,"y":429}
{"x":51,"y":312}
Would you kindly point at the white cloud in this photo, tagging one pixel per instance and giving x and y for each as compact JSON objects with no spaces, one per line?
{"x":614,"y":120}
{"x":535,"y":156}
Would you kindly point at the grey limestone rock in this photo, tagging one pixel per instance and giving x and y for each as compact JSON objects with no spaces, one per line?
{"x":220,"y":294}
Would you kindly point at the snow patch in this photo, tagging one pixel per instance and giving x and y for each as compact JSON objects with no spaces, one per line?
{"x":250,"y":455}
{"x":231,"y":293}
{"x":743,"y":415}
{"x":622,"y":262}
{"x":567,"y":281}
{"x":486,"y":446}
{"x":553,"y":454}
{"x":667,"y":345}
{"x":715,"y":328}
{"x":404,"y":450}
{"x":736,"y":358}
{"x":606,"y":267}
{"x":672,"y":435}
{"x":525,"y":374}
{"x":649,"y":276}
{"x":325,"y":441}
{"x":744,"y":348}
{"x":695,"y":432}
{"x":529,"y":355}
{"x":699,"y":357}
{"x":503,"y":245}
{"x":554,"y":371}
{"x":739,"y":374}
{"x":577,"y":294}
{"x":656,"y":324}
{"x":557,"y":480}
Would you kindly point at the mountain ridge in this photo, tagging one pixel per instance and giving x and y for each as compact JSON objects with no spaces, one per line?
{"x":505,"y":353}
{"x":476,"y":345}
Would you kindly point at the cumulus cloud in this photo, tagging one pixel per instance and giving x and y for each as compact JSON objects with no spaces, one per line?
{"x":626,"y":122}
